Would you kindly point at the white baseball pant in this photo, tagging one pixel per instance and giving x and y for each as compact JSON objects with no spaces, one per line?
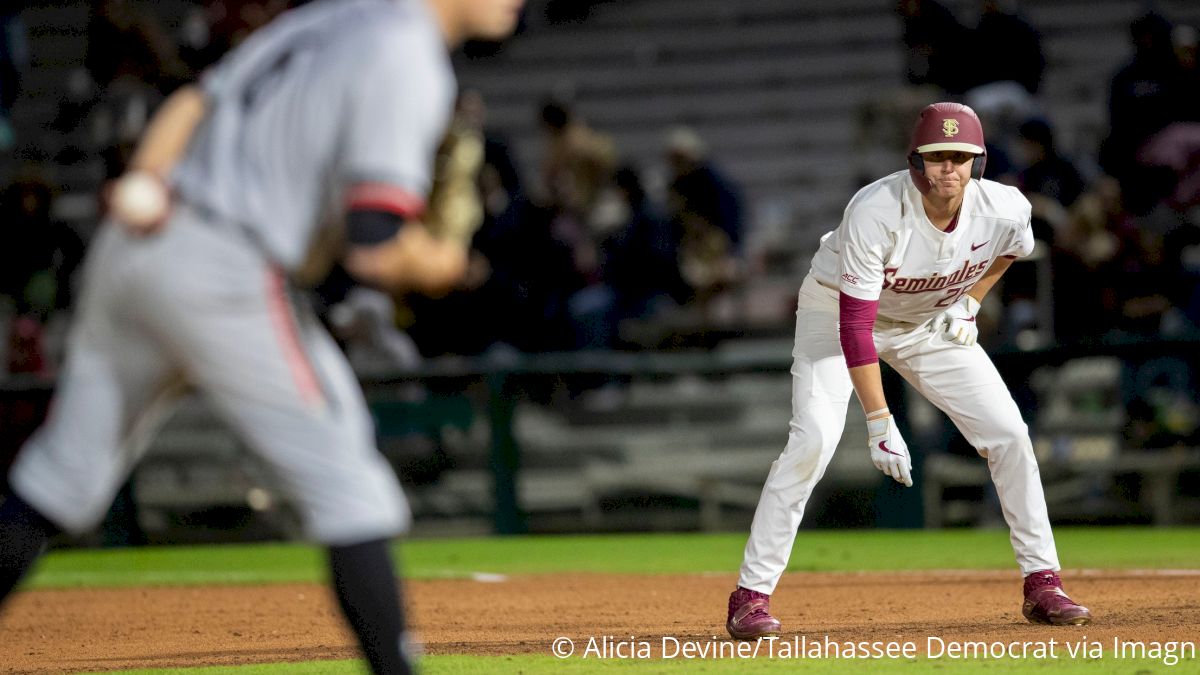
{"x":961,"y":381}
{"x":200,"y":303}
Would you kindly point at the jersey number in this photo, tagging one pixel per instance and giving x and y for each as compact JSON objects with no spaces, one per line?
{"x":952,"y":296}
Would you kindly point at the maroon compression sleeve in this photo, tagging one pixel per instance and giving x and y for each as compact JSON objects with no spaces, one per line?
{"x":857,"y":321}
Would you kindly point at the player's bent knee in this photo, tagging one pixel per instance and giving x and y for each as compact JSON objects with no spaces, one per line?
{"x":1011,"y":446}
{"x":388,"y":516}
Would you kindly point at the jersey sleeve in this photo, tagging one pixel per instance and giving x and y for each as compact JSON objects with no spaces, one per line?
{"x":1020,"y":241}
{"x":864,"y":245}
{"x":398,"y":111}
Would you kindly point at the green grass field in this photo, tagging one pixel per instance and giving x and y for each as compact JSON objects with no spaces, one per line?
{"x":820,"y":551}
{"x":1099,"y":548}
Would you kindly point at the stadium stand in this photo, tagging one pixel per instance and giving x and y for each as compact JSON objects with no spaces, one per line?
{"x":779,"y":91}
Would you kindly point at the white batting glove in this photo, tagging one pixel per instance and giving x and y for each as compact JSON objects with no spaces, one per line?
{"x":889,"y":452}
{"x":957,"y":323}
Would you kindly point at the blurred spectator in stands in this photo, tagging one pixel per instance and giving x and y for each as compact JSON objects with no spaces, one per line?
{"x":14,"y":59}
{"x":577,"y":164}
{"x":706,"y":208}
{"x":38,"y":257}
{"x":1145,"y":95}
{"x":1176,"y":148}
{"x":641,"y":259}
{"x":533,"y":272}
{"x":519,"y":276}
{"x":1127,"y":262}
{"x":936,"y":44}
{"x":639,"y":275}
{"x":1045,"y":171}
{"x":1177,"y":145}
{"x":1005,"y":47}
{"x":1144,"y":276}
{"x":1082,"y":257}
{"x":576,"y":171}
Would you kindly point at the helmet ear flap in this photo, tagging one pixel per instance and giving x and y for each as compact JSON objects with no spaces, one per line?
{"x":916,"y":172}
{"x":977,"y":166}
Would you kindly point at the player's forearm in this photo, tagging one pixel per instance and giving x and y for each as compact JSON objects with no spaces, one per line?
{"x":170,"y":131}
{"x":989,"y":278}
{"x":868,"y":385}
{"x":412,"y":260}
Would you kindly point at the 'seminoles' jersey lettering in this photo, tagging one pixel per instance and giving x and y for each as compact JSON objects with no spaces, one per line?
{"x":934,"y":282}
{"x":886,"y":249}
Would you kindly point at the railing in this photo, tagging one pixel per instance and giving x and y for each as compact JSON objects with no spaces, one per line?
{"x":504,"y":376}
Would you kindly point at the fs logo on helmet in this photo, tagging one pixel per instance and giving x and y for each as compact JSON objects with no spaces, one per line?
{"x":950,"y":127}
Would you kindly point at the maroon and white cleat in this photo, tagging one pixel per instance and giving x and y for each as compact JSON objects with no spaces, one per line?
{"x":1045,"y":602}
{"x":749,"y":615}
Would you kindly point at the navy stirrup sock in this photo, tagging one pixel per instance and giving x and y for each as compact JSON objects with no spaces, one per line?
{"x":23,"y":536}
{"x":369,"y":594}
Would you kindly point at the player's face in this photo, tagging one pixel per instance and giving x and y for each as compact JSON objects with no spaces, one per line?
{"x":491,"y":19}
{"x":948,"y":172}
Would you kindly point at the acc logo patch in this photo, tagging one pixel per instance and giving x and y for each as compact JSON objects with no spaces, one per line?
{"x":950,"y":127}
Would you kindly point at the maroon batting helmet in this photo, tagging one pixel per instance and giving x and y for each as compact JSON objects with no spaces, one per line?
{"x":945,"y":126}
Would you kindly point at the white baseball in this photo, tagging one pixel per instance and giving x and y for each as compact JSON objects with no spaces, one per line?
{"x":140,"y":200}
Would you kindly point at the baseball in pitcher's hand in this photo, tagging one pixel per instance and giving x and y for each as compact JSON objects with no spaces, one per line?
{"x":957,"y":323}
{"x":140,"y":201}
{"x":889,"y":452}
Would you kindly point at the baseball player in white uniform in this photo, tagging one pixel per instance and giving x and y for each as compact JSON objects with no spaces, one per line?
{"x":901,"y":279}
{"x":325,"y":122}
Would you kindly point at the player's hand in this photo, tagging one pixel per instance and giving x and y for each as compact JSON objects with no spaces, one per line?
{"x":957,"y":323}
{"x":140,"y":201}
{"x":889,"y":452}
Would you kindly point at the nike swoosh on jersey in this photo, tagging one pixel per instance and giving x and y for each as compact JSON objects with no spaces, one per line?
{"x":976,"y":247}
{"x":884,"y":448}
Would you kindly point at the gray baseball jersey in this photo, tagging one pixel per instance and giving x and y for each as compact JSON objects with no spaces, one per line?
{"x":334,"y":94}
{"x":337,"y":93}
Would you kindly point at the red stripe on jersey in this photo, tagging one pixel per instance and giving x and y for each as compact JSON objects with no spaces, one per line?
{"x":856,"y":330}
{"x":288,"y":334}
{"x":385,"y":197}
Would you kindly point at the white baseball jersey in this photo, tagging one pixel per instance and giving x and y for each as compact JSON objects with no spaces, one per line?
{"x":887,"y":250}
{"x":329,"y":95}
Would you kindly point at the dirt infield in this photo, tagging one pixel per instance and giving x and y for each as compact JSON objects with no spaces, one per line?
{"x":58,"y":631}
